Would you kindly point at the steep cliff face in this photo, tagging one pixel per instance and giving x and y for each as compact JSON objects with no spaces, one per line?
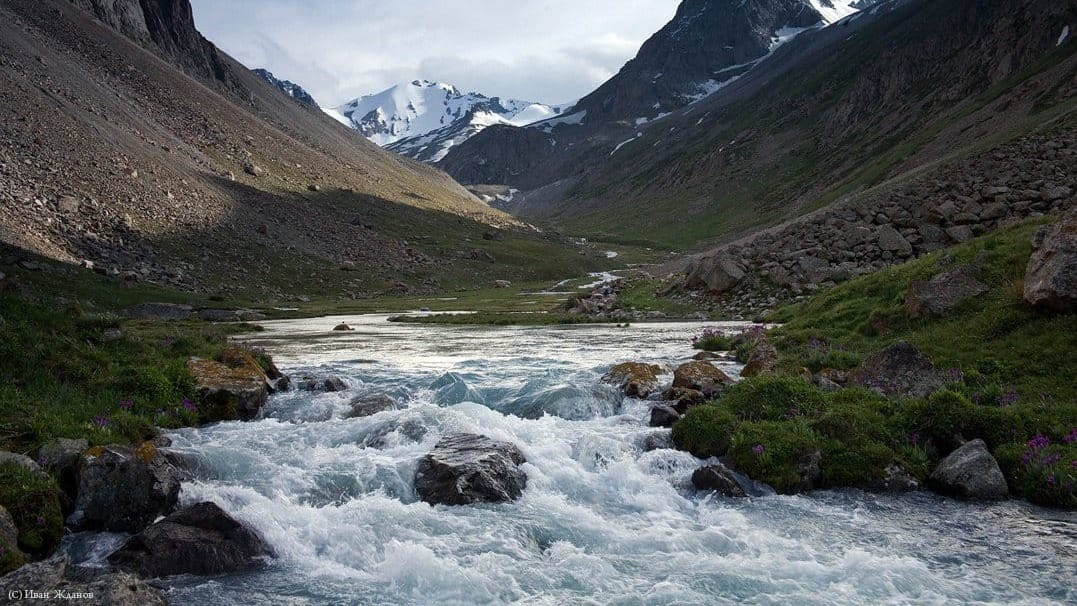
{"x":167,"y":28}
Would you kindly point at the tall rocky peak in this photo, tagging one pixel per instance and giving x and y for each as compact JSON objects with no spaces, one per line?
{"x":287,"y":87}
{"x":167,"y":28}
{"x":699,"y":49}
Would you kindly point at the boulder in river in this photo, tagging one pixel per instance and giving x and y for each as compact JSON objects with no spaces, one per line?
{"x":200,"y":539}
{"x":1051,"y":277}
{"x":682,"y":399}
{"x":634,"y":378}
{"x":371,"y":404}
{"x":233,"y":388}
{"x":900,"y":370}
{"x":717,"y":478}
{"x":970,"y":472}
{"x":468,"y":468}
{"x":664,"y":416}
{"x":701,"y":376}
{"x":123,"y":489}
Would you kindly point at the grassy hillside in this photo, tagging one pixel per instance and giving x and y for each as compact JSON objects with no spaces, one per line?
{"x":1010,"y":371}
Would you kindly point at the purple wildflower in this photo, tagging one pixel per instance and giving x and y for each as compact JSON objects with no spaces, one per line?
{"x":758,"y":450}
{"x":40,"y":520}
{"x":1052,"y":479}
{"x":793,"y":412}
{"x":914,"y":438}
{"x":127,"y":404}
{"x":189,"y":405}
{"x":955,"y":374}
{"x":101,"y":421}
{"x":1039,"y":441}
{"x":1007,"y":399}
{"x":42,"y":460}
{"x":1070,"y":439}
{"x":1052,"y":459}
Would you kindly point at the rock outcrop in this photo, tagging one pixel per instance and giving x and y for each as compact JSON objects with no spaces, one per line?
{"x":123,"y":489}
{"x":200,"y":539}
{"x":1051,"y":277}
{"x":468,"y":468}
{"x":899,"y":370}
{"x":235,"y":387}
{"x":970,"y":472}
{"x":664,"y":416}
{"x":718,"y":478}
{"x":635,"y":379}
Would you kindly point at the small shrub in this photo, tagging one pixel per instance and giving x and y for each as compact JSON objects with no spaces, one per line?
{"x":1041,"y":471}
{"x":854,"y":463}
{"x":769,"y":451}
{"x":705,"y":431}
{"x":33,"y":500}
{"x":712,"y":339}
{"x":773,"y":398}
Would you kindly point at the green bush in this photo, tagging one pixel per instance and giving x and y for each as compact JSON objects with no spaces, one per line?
{"x":1044,"y":473}
{"x":769,"y":451}
{"x":33,"y":500}
{"x":773,"y":398}
{"x":853,"y":463}
{"x":705,"y":430}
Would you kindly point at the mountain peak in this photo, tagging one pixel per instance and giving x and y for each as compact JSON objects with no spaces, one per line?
{"x":287,"y":87}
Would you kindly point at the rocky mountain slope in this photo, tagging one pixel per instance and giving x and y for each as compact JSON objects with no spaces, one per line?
{"x":424,"y":120}
{"x":898,"y":86}
{"x":287,"y":87}
{"x":131,"y":144}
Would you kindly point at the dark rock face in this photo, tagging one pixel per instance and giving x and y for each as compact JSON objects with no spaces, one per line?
{"x":970,"y":472}
{"x":683,"y":399}
{"x":664,"y":416}
{"x":900,"y":370}
{"x":61,"y":458}
{"x":159,"y":311}
{"x":717,"y":478}
{"x":943,"y":292}
{"x":121,"y":489}
{"x":200,"y":539}
{"x":808,"y":472}
{"x":467,"y":468}
{"x":334,"y":384}
{"x":289,"y":88}
{"x":365,"y":406}
{"x":1051,"y":277}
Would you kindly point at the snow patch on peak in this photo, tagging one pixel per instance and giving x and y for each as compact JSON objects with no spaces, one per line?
{"x":834,"y":10}
{"x":1062,"y":37}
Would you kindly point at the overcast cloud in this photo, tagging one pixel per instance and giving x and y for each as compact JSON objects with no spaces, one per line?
{"x":540,"y":50}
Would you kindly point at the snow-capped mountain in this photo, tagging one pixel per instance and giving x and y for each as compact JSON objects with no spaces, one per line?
{"x":287,"y":87}
{"x":424,"y":119}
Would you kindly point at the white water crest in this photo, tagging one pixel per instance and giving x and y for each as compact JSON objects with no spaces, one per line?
{"x":601,"y":521}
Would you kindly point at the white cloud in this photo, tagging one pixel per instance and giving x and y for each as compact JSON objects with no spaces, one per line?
{"x":542,"y":50}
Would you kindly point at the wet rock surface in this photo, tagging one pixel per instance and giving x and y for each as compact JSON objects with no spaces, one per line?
{"x":123,"y":489}
{"x":468,"y":468}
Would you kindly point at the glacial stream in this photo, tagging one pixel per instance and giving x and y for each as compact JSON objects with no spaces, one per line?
{"x":602,"y":520}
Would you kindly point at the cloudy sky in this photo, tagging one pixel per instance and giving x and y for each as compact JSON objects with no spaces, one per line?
{"x":539,"y":50}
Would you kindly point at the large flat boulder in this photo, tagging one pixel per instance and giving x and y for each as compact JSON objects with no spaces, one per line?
{"x":899,"y":370}
{"x":701,"y":376}
{"x":634,"y":378}
{"x":940,"y":294}
{"x":970,"y":472}
{"x":718,"y":274}
{"x":124,"y":489}
{"x":200,"y":539}
{"x":468,"y":468}
{"x":234,"y":387}
{"x":1051,"y":276}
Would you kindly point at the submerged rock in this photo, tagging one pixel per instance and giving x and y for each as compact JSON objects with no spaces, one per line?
{"x":200,"y":539}
{"x":635,"y":379}
{"x":701,"y":376}
{"x":469,"y":468}
{"x":943,"y":292}
{"x":970,"y":472}
{"x":121,"y":489}
{"x":900,"y":370}
{"x":370,"y":404}
{"x":1051,"y":277}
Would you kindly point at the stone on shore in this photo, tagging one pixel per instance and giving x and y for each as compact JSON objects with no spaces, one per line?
{"x":970,"y":472}
{"x":1051,"y":277}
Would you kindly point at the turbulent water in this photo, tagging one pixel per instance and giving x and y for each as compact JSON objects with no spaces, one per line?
{"x":600,"y":522}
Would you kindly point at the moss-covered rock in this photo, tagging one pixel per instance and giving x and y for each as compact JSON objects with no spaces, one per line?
{"x":235,"y":387}
{"x":10,"y":555}
{"x":774,"y":397}
{"x":33,"y":500}
{"x":705,"y":431}
{"x":634,"y":378}
{"x":701,"y":376}
{"x":784,"y":454}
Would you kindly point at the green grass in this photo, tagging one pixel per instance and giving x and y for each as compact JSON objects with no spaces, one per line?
{"x":33,"y":500}
{"x":63,"y":379}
